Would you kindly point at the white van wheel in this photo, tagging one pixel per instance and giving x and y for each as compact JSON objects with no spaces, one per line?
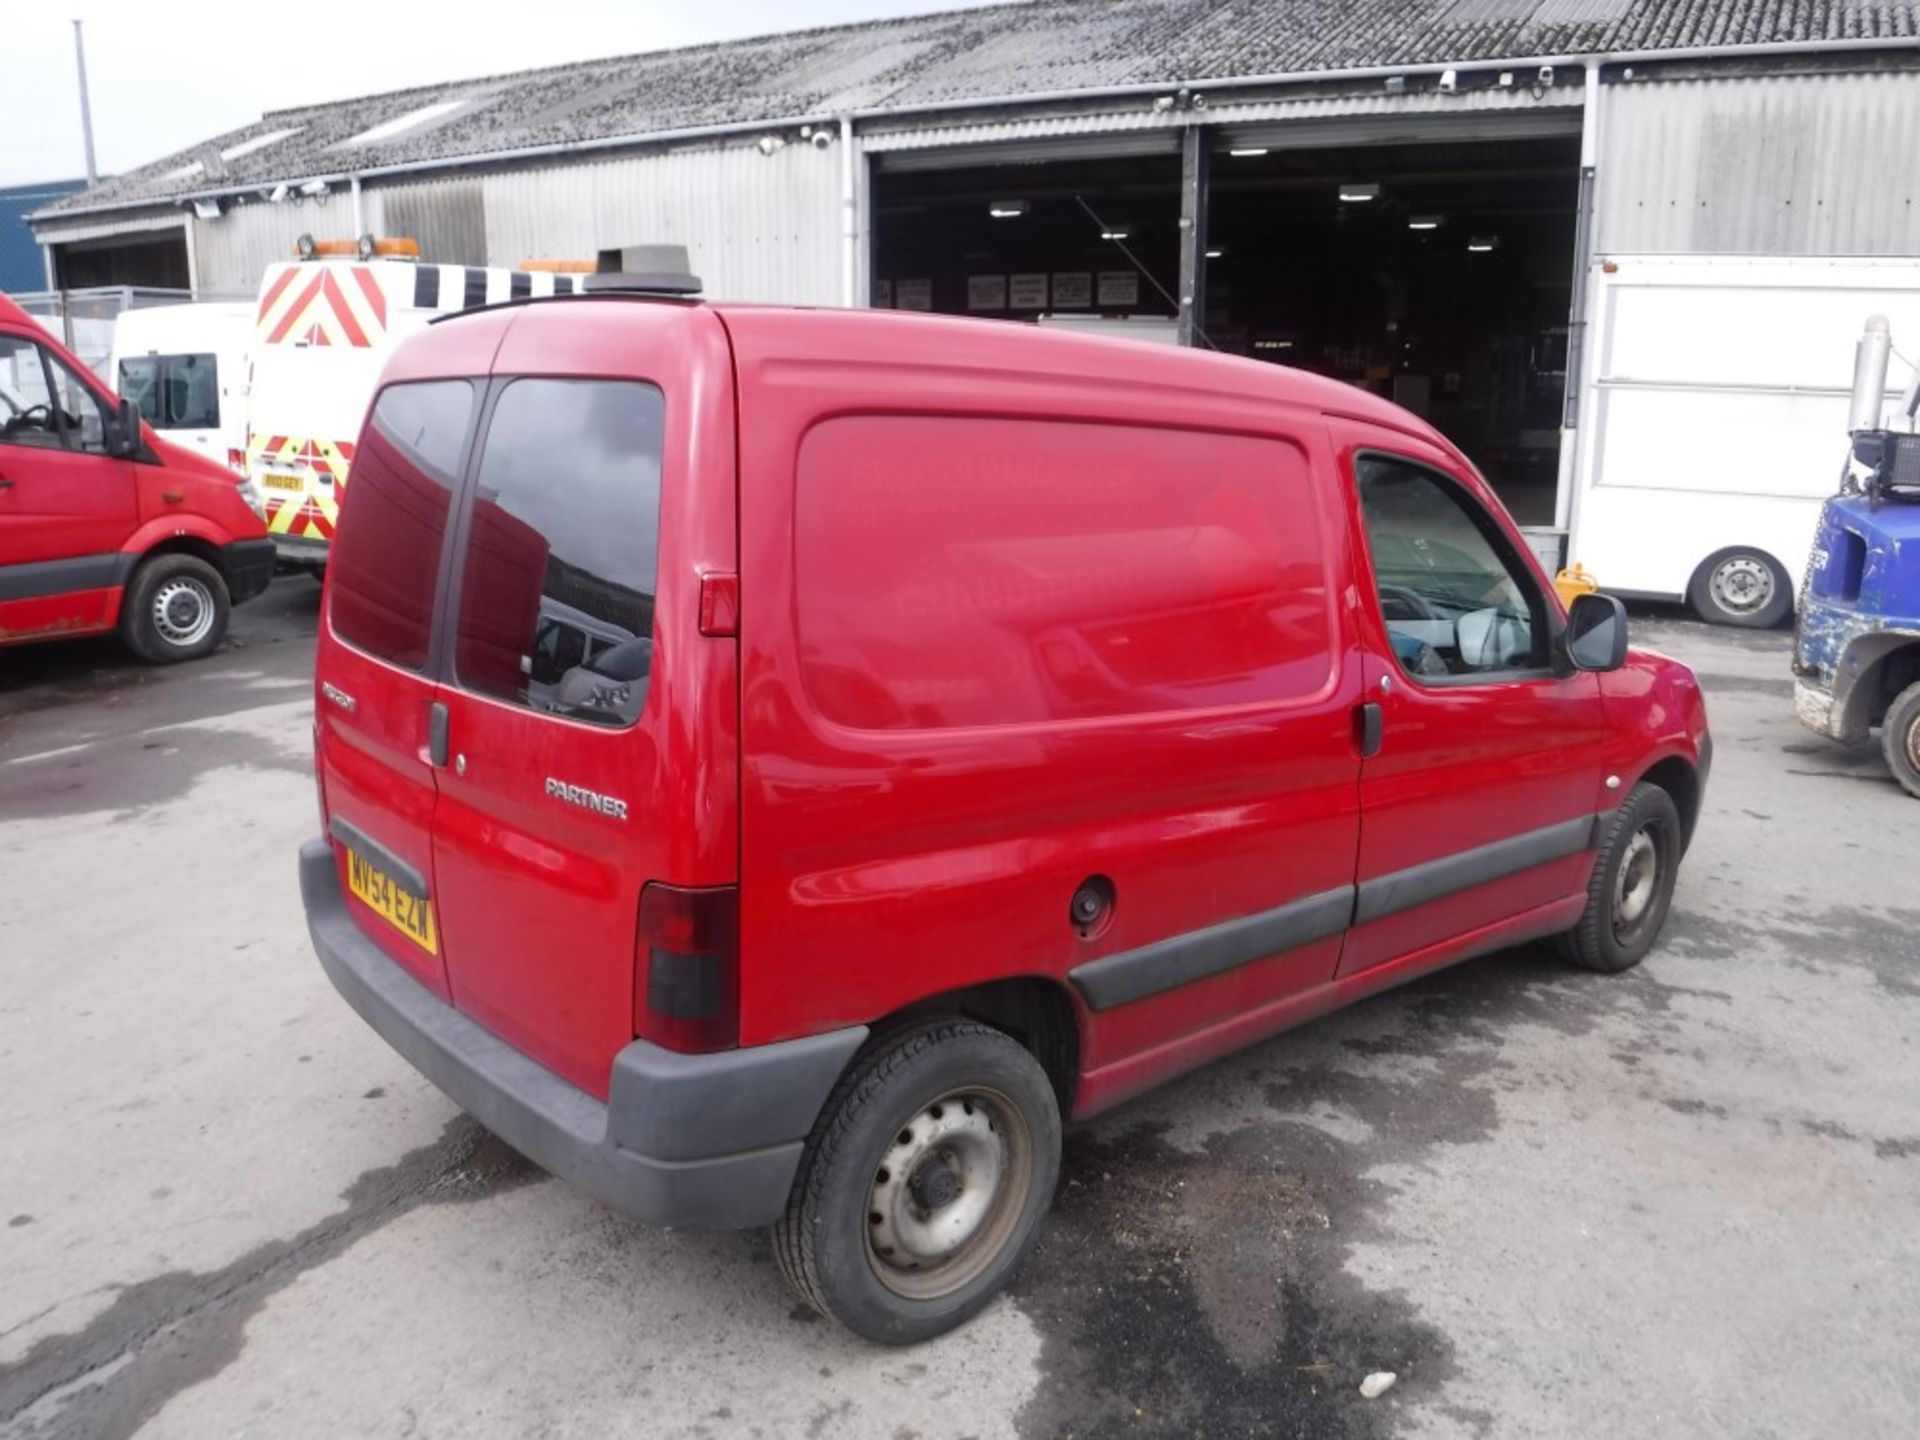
{"x":1741,"y":586}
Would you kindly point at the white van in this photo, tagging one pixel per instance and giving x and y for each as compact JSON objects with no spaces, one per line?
{"x":185,"y":369}
{"x":322,"y":332}
{"x":1716,"y":423}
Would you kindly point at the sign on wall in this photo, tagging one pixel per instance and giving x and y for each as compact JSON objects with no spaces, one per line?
{"x":1073,"y":290}
{"x":986,"y":292}
{"x":1027,"y":292}
{"x":1119,"y":287}
{"x":913,"y":294}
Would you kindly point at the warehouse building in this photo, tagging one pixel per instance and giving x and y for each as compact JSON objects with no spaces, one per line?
{"x":1412,"y":195}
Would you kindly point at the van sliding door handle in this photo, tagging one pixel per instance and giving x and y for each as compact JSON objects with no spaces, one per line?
{"x":437,"y":733}
{"x":1370,"y":721}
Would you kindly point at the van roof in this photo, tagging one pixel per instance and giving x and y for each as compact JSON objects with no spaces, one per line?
{"x":967,"y":342}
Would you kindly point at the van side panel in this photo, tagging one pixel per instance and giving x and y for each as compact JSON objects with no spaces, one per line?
{"x":1024,"y":628}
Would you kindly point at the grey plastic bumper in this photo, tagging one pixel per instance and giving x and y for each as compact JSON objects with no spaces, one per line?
{"x":706,"y":1141}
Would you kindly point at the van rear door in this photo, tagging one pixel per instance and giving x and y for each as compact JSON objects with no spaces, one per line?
{"x":592,"y":727}
{"x":379,"y":720}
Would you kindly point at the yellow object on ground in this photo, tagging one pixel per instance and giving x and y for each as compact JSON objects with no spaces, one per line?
{"x":1572,"y":581}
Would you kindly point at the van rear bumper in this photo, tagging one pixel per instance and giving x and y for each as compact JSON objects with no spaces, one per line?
{"x":702,"y":1141}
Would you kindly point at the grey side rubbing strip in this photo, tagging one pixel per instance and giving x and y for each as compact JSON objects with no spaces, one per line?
{"x":398,"y":870}
{"x":1182,"y":959}
{"x":1450,"y":874}
{"x":58,"y":577}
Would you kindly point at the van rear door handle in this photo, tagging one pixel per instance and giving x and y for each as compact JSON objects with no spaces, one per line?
{"x":1371,"y":723}
{"x":437,"y":733}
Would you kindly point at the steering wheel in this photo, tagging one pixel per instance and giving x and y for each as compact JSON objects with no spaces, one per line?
{"x":24,"y":419}
{"x":1410,"y":605}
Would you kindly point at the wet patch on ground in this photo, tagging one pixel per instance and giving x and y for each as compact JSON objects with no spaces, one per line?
{"x":164,"y":1334}
{"x":1207,"y":1292}
{"x":130,"y":777}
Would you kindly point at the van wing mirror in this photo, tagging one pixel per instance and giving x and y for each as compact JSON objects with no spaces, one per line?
{"x":123,"y":437}
{"x":1596,"y":633}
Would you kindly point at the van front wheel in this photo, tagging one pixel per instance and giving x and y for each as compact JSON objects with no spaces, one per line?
{"x":924,"y":1183}
{"x":175,"y":609}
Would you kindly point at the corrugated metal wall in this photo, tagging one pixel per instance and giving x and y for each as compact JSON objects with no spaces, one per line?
{"x":1771,"y":165}
{"x":230,"y":253}
{"x":757,"y":227}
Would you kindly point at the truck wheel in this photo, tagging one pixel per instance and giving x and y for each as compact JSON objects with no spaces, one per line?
{"x":1900,"y":738}
{"x":924,"y":1183}
{"x":175,"y":609}
{"x":1631,"y":886}
{"x":1743,"y":587}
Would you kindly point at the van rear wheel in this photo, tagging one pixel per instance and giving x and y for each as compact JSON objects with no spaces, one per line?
{"x":924,"y":1183}
{"x":176,"y":608}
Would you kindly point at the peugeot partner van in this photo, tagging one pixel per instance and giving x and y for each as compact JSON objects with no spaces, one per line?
{"x":778,"y":766}
{"x":185,"y":369}
{"x":103,"y":524}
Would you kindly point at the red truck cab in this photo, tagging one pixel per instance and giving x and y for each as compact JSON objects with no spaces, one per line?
{"x":104,"y":525}
{"x":780,"y":765}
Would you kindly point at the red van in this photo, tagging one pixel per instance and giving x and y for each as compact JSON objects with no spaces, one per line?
{"x":779,"y":765}
{"x":102,"y":523}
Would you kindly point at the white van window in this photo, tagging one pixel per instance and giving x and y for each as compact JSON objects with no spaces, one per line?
{"x":174,"y":392}
{"x":556,"y":592}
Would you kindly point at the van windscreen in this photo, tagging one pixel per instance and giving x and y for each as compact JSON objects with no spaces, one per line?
{"x":173,"y":392}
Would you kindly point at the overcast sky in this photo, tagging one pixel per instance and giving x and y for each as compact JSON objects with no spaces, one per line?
{"x":163,"y":77}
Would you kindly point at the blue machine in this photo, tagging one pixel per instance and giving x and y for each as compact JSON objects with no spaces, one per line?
{"x":1856,"y":656}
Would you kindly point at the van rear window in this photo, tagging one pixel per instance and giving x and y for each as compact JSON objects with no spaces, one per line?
{"x":384,"y":565}
{"x":557,"y":584}
{"x":956,"y":571}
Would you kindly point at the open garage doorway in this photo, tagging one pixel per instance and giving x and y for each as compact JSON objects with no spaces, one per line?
{"x":1437,"y":273}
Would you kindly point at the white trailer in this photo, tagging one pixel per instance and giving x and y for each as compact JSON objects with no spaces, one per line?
{"x":1716,"y":420}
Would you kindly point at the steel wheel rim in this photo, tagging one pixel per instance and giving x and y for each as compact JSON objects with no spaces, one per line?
{"x":1913,"y":743}
{"x":1636,"y":882}
{"x":183,"y":611}
{"x":1742,"y":585}
{"x":947,"y":1196}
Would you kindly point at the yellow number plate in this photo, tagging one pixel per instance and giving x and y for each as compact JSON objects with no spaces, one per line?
{"x":294,"y":483}
{"x":410,"y":914}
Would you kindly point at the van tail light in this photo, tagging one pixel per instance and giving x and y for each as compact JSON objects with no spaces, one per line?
{"x":237,"y":460}
{"x":686,"y":968}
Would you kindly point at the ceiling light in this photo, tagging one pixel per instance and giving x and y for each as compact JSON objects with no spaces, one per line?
{"x":1215,"y":254}
{"x":1273,"y":344}
{"x":1483,"y":244}
{"x":1354,"y":194}
{"x":1008,"y":209}
{"x":1247,"y":152}
{"x":1425,"y":222}
{"x":1118,"y":232}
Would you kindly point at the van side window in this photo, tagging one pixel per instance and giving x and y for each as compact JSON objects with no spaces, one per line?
{"x":385,"y":567}
{"x":80,"y":412}
{"x":954,"y":571}
{"x":1454,"y":601}
{"x":557,"y":585}
{"x":26,"y":396}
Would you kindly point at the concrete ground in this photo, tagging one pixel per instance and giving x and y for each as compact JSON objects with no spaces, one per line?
{"x":1678,"y":1202}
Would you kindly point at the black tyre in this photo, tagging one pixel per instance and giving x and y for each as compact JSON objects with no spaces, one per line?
{"x":924,"y":1183}
{"x":1632,"y":884}
{"x":175,"y":609}
{"x":1900,"y":738}
{"x":1741,"y":586}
